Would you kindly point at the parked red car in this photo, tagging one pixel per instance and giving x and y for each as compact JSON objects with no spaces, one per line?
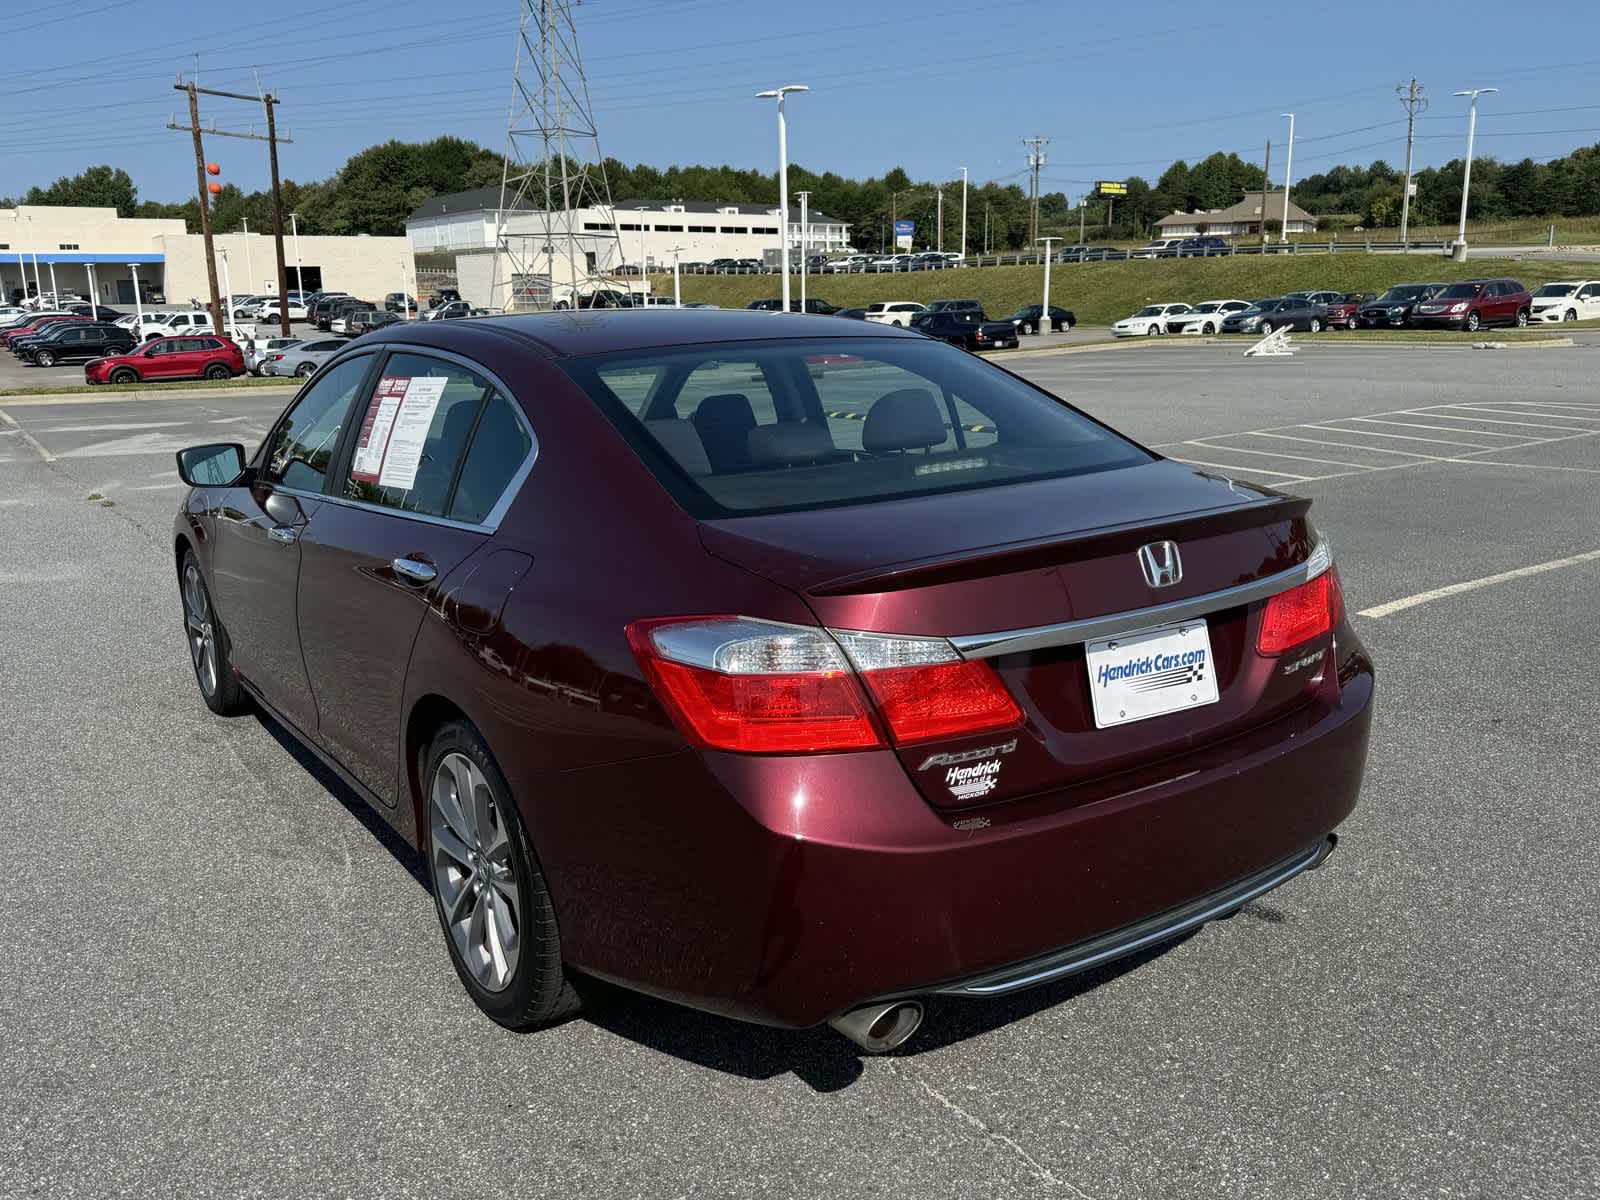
{"x":1475,"y":304}
{"x":208,"y":357}
{"x":796,"y":695}
{"x":1342,"y":312}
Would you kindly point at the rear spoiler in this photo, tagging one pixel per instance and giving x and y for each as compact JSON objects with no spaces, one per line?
{"x":1059,"y":550}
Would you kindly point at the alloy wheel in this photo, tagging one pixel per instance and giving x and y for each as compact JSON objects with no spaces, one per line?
{"x":202,"y":631}
{"x":474,"y":872}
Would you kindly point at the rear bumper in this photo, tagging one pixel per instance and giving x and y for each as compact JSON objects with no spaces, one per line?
{"x":786,"y":890}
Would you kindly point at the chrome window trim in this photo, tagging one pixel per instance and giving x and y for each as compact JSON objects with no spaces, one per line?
{"x":491,"y":523}
{"x":1088,"y":629}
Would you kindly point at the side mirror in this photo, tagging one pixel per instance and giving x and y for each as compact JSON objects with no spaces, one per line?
{"x":150,"y":353}
{"x":218,"y":465}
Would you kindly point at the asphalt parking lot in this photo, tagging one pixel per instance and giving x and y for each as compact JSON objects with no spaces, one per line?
{"x":217,"y":981}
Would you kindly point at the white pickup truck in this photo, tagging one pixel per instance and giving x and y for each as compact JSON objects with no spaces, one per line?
{"x":188,"y":320}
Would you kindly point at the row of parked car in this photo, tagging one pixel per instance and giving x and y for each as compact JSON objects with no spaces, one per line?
{"x":962,"y":322}
{"x":1470,"y":305}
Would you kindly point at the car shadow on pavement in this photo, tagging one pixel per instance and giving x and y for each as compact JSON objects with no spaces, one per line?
{"x":820,"y":1057}
{"x":404,"y":852}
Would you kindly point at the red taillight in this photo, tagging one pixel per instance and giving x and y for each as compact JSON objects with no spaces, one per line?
{"x":734,"y":683}
{"x":1301,"y":614}
{"x":943,"y":700}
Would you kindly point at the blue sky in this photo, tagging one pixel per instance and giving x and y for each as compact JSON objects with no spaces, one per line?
{"x":929,"y":86}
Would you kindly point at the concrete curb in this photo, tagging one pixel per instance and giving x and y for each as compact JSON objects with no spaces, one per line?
{"x":144,"y":394}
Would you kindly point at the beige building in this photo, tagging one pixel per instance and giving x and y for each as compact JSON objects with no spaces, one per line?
{"x":93,"y":250}
{"x":1239,"y":220}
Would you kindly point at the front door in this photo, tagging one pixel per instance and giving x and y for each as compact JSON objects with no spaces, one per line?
{"x":413,"y":506}
{"x":255,"y":560}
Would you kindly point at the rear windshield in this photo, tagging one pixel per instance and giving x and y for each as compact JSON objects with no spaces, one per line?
{"x":756,"y":427}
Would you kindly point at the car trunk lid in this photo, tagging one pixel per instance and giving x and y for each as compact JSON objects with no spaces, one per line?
{"x":973,"y":565}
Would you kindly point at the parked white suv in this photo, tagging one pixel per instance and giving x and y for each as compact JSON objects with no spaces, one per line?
{"x":1148,"y":321}
{"x":894,"y":312}
{"x":1160,"y":248}
{"x":188,"y":320}
{"x":1578,"y":301}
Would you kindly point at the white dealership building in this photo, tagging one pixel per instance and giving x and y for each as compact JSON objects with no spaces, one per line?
{"x":629,"y":232}
{"x":94,"y":251}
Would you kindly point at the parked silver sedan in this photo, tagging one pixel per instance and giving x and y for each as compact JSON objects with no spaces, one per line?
{"x":303,"y":359}
{"x":257,"y":352}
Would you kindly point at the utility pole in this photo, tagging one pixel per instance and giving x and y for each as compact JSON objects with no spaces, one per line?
{"x":986,"y":227}
{"x":205,"y":209}
{"x":1410,"y":96}
{"x":272,"y":139}
{"x":1036,"y":158}
{"x":270,"y":102}
{"x":1266,"y":174}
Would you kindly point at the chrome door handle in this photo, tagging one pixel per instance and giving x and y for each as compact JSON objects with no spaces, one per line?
{"x":414,"y":570}
{"x":283,"y":533}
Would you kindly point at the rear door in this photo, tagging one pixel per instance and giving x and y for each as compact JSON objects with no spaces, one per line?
{"x":435,"y":446}
{"x":1588,"y":301}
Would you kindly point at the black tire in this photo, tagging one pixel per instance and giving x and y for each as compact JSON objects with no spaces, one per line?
{"x":1032,"y":327}
{"x":1265,"y":327}
{"x":1152,"y":330}
{"x":306,"y":370}
{"x":1065,"y":326}
{"x":218,"y":371}
{"x":1472,"y":323}
{"x":1314,"y":325}
{"x":124,"y":375}
{"x":219,"y":686}
{"x":536,"y":991}
{"x":1522,"y":318}
{"x":1208,"y":328}
{"x":1570,"y":315}
{"x":44,"y":359}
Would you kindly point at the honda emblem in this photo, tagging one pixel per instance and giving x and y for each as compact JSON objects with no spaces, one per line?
{"x":1160,"y":563}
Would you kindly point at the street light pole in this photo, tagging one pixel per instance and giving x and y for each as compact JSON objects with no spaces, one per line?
{"x":1466,"y":171}
{"x":677,"y":279}
{"x":641,"y":210}
{"x":299,"y":275}
{"x":778,"y":94}
{"x":249,"y":271}
{"x":963,"y":215}
{"x":805,"y":199}
{"x":1044,"y":309}
{"x":1288,"y":178}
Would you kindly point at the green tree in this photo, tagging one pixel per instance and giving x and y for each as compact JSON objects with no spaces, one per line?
{"x":98,"y":187}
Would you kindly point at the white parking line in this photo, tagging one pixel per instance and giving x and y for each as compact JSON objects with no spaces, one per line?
{"x":1450,"y":416}
{"x":1472,"y":585}
{"x":1284,"y":437}
{"x":1331,"y":462}
{"x":1404,"y":437}
{"x":1243,"y":472}
{"x":1441,"y":429}
{"x":1524,"y":412}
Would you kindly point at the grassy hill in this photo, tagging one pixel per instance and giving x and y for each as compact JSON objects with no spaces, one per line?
{"x":1100,"y":293}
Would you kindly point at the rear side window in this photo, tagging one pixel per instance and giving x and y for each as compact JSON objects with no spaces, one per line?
{"x":499,"y":449}
{"x":414,"y":433}
{"x":845,"y":421}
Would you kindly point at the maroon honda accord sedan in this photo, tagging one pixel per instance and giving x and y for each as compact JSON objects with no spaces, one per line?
{"x":789,"y":668}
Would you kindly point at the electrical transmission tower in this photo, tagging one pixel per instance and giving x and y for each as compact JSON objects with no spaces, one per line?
{"x":553,"y":168}
{"x":1410,"y":96}
{"x":1036,"y":157}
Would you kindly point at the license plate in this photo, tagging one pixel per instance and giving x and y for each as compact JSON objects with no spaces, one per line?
{"x":1151,"y":673}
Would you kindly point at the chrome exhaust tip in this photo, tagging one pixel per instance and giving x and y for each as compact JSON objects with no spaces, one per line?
{"x":879,"y":1028}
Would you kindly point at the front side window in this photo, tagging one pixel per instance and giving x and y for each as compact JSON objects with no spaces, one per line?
{"x":414,"y":434}
{"x":301,"y":448}
{"x":846,"y":421}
